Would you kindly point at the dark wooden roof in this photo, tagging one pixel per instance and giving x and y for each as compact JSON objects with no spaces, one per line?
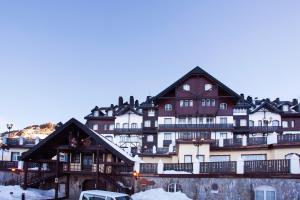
{"x":268,"y":106}
{"x":196,"y":71}
{"x":54,"y":138}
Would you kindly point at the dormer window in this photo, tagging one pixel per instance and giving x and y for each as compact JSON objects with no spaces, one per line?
{"x":208,"y":87}
{"x":96,"y":113}
{"x":109,"y":113}
{"x":95,"y":127}
{"x":285,"y":108}
{"x":186,"y":87}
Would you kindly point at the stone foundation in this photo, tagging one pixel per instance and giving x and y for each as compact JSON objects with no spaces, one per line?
{"x":224,"y":188}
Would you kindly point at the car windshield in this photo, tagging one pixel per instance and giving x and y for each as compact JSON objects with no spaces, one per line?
{"x":124,"y":198}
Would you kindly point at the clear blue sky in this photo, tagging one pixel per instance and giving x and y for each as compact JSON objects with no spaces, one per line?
{"x":58,"y":59}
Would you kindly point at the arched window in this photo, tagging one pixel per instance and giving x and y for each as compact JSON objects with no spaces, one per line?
{"x":275,"y":123}
{"x":251,"y":123}
{"x":289,"y":156}
{"x":207,"y":102}
{"x":265,"y":193}
{"x":223,"y":106}
{"x":186,"y":87}
{"x":174,"y":187}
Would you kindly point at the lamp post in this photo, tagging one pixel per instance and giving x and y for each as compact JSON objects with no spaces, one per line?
{"x":9,"y":127}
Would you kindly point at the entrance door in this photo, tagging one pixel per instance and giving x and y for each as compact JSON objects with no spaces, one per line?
{"x":87,"y":162}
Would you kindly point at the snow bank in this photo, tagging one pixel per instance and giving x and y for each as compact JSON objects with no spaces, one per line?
{"x":32,"y":194}
{"x":159,"y":194}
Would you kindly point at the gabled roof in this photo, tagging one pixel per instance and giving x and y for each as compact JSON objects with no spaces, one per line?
{"x":107,"y":144}
{"x":268,"y":106}
{"x":125,"y":109}
{"x":196,"y":71}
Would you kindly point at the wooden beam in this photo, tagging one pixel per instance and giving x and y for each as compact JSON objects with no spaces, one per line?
{"x":97,"y":168}
{"x":25,"y":175}
{"x":57,"y":174}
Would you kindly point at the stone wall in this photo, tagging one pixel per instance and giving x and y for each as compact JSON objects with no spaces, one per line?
{"x":224,"y":188}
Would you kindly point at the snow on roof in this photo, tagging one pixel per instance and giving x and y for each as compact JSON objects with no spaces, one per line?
{"x":116,"y":147}
{"x":104,"y":193}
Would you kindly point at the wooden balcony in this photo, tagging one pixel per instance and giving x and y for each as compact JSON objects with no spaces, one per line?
{"x":195,"y":127}
{"x":148,"y":168}
{"x":265,"y":129}
{"x":179,"y":167}
{"x":255,"y":141}
{"x":8,"y":165}
{"x":267,"y":166}
{"x":288,"y":138}
{"x":218,"y":168}
{"x":193,"y":135}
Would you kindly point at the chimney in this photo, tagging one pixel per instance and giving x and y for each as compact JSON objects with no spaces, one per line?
{"x":277,"y":100}
{"x":242,"y":96}
{"x":120,"y":100}
{"x":136,"y":103}
{"x":131,"y":101}
{"x":295,"y":102}
{"x":249,"y":99}
{"x":148,"y":98}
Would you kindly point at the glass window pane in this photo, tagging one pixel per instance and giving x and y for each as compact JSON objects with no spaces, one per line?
{"x":259,"y":195}
{"x":270,"y":195}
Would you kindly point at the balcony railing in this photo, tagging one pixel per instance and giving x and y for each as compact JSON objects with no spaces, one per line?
{"x":196,"y":135}
{"x":7,"y":165}
{"x":195,"y":126}
{"x":237,"y":142}
{"x":12,"y":141}
{"x":148,"y":168}
{"x":218,"y":167}
{"x":288,"y":138}
{"x":127,"y":130}
{"x":253,"y":141}
{"x":179,"y":167}
{"x":265,"y":129}
{"x":267,"y":166}
{"x":163,"y":150}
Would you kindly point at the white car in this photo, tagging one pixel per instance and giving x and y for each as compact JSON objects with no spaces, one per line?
{"x":103,"y":195}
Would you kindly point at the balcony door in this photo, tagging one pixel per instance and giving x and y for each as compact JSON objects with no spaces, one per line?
{"x":87,"y":161}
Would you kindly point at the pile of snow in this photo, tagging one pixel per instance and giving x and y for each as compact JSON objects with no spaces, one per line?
{"x":159,"y":194}
{"x":32,"y":194}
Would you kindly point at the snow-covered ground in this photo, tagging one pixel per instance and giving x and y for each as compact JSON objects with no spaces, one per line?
{"x":32,"y":194}
{"x":159,"y":194}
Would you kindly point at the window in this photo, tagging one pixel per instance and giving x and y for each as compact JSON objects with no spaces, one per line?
{"x":209,"y":120}
{"x":201,"y":120}
{"x":265,"y":193}
{"x":203,"y":102}
{"x":223,"y":106}
{"x":188,"y":159}
{"x":207,"y":102}
{"x":213,"y":102}
{"x":254,"y":157}
{"x":168,"y":107}
{"x":223,"y":120}
{"x":243,"y":122}
{"x":75,"y":158}
{"x":259,"y":122}
{"x":251,"y":123}
{"x":95,"y":127}
{"x":285,"y":108}
{"x":186,"y":103}
{"x":96,"y":113}
{"x":111,"y":127}
{"x":109,"y":113}
{"x":181,"y":121}
{"x":289,"y":156}
{"x":190,"y":120}
{"x":219,"y":158}
{"x":125,"y":125}
{"x":186,"y":87}
{"x":151,"y":113}
{"x":147,"y":123}
{"x":117,"y":125}
{"x":167,"y":136}
{"x":134,"y":125}
{"x":168,"y":121}
{"x":208,"y":87}
{"x":150,"y":138}
{"x":223,"y":135}
{"x":275,"y":123}
{"x":200,"y":158}
{"x":156,"y":123}
{"x":174,"y":187}
{"x":234,"y":122}
{"x":293,"y":124}
{"x":285,"y":124}
{"x":15,"y":156}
